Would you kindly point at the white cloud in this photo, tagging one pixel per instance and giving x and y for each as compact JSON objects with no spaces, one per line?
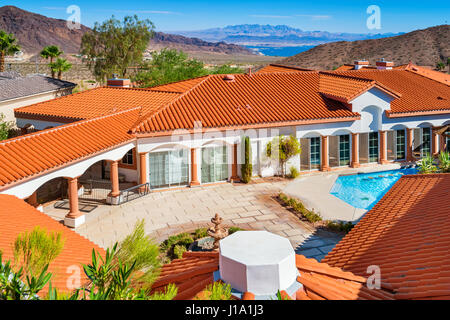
{"x":314,"y":16}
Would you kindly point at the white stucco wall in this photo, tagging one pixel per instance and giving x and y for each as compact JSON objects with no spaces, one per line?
{"x":7,"y":107}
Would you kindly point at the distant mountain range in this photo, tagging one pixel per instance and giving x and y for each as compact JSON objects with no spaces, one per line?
{"x":279,"y":35}
{"x":422,"y":47}
{"x":34,"y":31}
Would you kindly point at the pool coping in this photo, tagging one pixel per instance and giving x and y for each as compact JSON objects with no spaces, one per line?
{"x":314,"y":192}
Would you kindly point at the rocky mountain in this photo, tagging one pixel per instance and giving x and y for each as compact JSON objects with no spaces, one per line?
{"x":424,"y":47}
{"x":161,"y":40}
{"x":255,"y":34}
{"x":35,"y":31}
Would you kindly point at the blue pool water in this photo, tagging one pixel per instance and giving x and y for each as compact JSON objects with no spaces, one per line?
{"x":364,"y":190}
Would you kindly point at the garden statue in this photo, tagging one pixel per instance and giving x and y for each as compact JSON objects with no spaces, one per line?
{"x":217,"y":232}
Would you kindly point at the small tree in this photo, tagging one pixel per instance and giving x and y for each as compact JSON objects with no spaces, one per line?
{"x":169,"y":65}
{"x":50,"y":53}
{"x":36,"y":249}
{"x":5,"y":127}
{"x":247,"y":167}
{"x":115,"y":45}
{"x":60,"y":66}
{"x":282,"y":149}
{"x":426,"y":165}
{"x":144,"y":251}
{"x":8,"y":47}
{"x":444,"y":162}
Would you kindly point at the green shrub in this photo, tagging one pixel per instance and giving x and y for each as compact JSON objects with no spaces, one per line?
{"x":299,"y":207}
{"x":426,"y":165}
{"x":143,"y":251}
{"x":200,"y":233}
{"x":444,"y":162}
{"x":247,"y":167}
{"x":217,"y":291}
{"x":182,"y":239}
{"x":340,"y":226}
{"x":178,"y":251}
{"x":12,"y":286}
{"x":293,"y":173}
{"x":232,"y":230}
{"x":36,"y":249}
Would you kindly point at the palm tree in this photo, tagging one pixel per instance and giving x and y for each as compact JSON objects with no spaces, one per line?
{"x":440,"y":66}
{"x":60,"y":66}
{"x":8,"y":47}
{"x":51,"y":52}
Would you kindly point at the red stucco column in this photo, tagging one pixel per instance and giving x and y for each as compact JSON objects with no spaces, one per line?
{"x":234,"y":166}
{"x":114,"y":173}
{"x":143,"y":170}
{"x":32,"y":200}
{"x":355,"y":154}
{"x":409,"y":144}
{"x":73,"y":198}
{"x":194,"y":176}
{"x":325,"y":165}
{"x":383,"y":153}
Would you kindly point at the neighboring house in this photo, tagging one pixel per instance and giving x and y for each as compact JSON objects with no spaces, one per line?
{"x":189,"y":133}
{"x":397,"y":251}
{"x":17,"y":91}
{"x":17,"y":216}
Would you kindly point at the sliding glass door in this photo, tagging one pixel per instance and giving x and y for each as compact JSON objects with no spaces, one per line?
{"x":400,"y":142}
{"x":214,"y":164}
{"x":169,"y":169}
{"x":422,"y":142}
{"x":373,"y":147}
{"x":310,"y":155}
{"x":339,"y":150}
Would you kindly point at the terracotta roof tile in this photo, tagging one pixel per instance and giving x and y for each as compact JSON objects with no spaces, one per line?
{"x":17,"y":216}
{"x":195,"y":271}
{"x":280,"y":68}
{"x":262,"y":98}
{"x":39,"y":152}
{"x":418,"y":93}
{"x":191,"y":274}
{"x":179,"y":86}
{"x":407,"y":235}
{"x":95,"y":103}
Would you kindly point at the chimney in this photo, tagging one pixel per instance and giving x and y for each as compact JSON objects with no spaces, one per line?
{"x":258,"y":262}
{"x":359,"y":64}
{"x":250,"y":71}
{"x":384,"y":65}
{"x":118,"y":83}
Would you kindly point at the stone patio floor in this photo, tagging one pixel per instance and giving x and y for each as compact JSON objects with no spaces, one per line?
{"x":250,"y":207}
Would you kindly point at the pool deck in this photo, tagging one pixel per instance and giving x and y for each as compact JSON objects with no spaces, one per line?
{"x":314,"y":191}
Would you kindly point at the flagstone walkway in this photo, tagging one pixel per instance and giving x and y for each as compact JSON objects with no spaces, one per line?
{"x":250,"y":207}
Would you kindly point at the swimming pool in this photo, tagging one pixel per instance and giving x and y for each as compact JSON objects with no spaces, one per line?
{"x":364,"y":190}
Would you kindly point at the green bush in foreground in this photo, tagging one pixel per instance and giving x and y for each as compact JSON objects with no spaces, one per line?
{"x":36,"y":249}
{"x":298,"y":207}
{"x":216,"y":291}
{"x":293,"y":173}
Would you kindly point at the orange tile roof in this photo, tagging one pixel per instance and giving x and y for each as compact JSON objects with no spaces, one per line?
{"x":419,"y":94}
{"x":191,"y":274}
{"x":178,"y":86}
{"x":17,"y":216}
{"x":346,"y":88}
{"x":407,"y":235}
{"x":95,"y":103}
{"x":194,"y":272}
{"x":322,"y":282}
{"x":260,"y":99}
{"x":347,"y":67}
{"x":32,"y":154}
{"x":280,"y":68}
{"x":429,"y":73}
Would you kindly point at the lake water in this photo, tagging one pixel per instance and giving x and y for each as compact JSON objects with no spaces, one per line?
{"x":281,"y":51}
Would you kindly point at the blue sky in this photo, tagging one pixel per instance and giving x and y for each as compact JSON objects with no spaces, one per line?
{"x":333,"y":16}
